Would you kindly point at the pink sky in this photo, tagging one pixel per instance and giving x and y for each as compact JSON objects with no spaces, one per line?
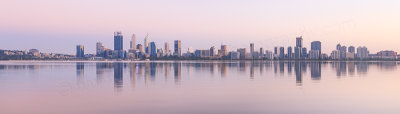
{"x":57,"y":26}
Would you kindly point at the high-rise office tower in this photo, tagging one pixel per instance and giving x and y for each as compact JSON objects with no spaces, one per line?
{"x":316,"y":45}
{"x":177,"y":48}
{"x":297,"y":52}
{"x":338,"y":47}
{"x":139,"y":47}
{"x":133,"y":42}
{"x":224,"y":50}
{"x":153,"y":49}
{"x":252,"y":48}
{"x":99,"y":49}
{"x":352,"y":49}
{"x":166,"y":48}
{"x":212,"y":51}
{"x":146,"y":43}
{"x":118,"y":41}
{"x":289,"y":53}
{"x":242,"y":52}
{"x":282,"y":53}
{"x":299,"y":44}
{"x":276,"y":50}
{"x":303,"y":53}
{"x":118,"y":44}
{"x":343,"y":51}
{"x":80,"y":51}
{"x":299,"y":41}
{"x":316,"y":50}
{"x":362,"y":52}
{"x":261,"y":52}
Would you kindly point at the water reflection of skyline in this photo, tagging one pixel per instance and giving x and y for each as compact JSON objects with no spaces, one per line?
{"x":149,"y":72}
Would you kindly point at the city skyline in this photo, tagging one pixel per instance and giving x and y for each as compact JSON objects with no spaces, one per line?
{"x":55,"y":28}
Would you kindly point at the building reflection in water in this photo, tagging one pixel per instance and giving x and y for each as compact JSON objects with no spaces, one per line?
{"x":177,"y":72}
{"x":148,"y":71}
{"x":252,"y":70}
{"x":118,"y":76}
{"x":80,"y":72}
{"x":315,"y":68}
{"x":289,"y":68}
{"x":297,"y":68}
{"x":132,"y":72}
{"x":153,"y":71}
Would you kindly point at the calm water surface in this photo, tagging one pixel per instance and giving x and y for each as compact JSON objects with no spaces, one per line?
{"x":198,"y":87}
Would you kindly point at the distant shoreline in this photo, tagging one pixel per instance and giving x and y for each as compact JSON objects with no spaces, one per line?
{"x":196,"y":60}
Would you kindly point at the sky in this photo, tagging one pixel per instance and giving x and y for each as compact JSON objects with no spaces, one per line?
{"x":57,"y":26}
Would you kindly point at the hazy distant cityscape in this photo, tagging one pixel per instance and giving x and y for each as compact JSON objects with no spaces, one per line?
{"x":150,"y":51}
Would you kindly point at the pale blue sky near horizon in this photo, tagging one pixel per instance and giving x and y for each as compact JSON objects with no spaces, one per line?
{"x":58,"y":26}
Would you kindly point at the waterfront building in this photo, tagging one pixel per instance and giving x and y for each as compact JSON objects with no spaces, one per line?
{"x":177,"y":48}
{"x":316,"y":49}
{"x":118,"y":44}
{"x":304,"y":54}
{"x":335,"y":55}
{"x":80,"y":51}
{"x":387,"y":54}
{"x":99,"y":49}
{"x":362,"y":53}
{"x":282,"y":53}
{"x":153,"y":49}
{"x":289,"y":53}
{"x":242,"y":52}
{"x":133,"y":42}
{"x":224,"y":50}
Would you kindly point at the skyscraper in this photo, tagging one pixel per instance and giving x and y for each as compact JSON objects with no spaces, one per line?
{"x":80,"y":51}
{"x":289,"y":53}
{"x":252,"y":49}
{"x":242,"y":53}
{"x":315,"y":49}
{"x":118,"y":41}
{"x":343,"y":51}
{"x":153,"y":49}
{"x":133,"y":42}
{"x":316,"y":45}
{"x":362,"y":52}
{"x":118,"y":44}
{"x":166,"y":48}
{"x":224,"y":50}
{"x":146,"y":43}
{"x":299,"y":45}
{"x":338,"y":47}
{"x":299,"y":41}
{"x":261,"y":52}
{"x":352,"y":49}
{"x":304,"y":53}
{"x":297,"y":52}
{"x":212,"y":51}
{"x":177,"y":48}
{"x":139,"y":47}
{"x":99,"y":49}
{"x":282,"y":53}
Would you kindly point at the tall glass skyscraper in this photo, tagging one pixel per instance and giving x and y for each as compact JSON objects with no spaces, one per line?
{"x":133,"y":42}
{"x":299,"y":44}
{"x":146,"y":43}
{"x":80,"y":51}
{"x":177,"y":48}
{"x":118,"y":41}
{"x":299,"y":41}
{"x":153,"y":49}
{"x":289,"y":53}
{"x":118,"y":44}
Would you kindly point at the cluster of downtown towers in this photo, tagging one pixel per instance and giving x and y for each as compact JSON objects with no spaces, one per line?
{"x":150,"y":50}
